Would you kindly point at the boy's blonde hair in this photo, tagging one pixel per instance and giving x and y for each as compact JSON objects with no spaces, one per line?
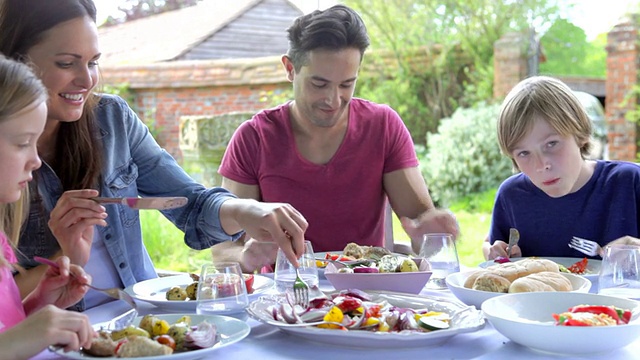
{"x":546,"y":98}
{"x":20,"y":88}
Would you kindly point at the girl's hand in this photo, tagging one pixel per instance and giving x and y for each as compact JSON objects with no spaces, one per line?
{"x":62,"y":286}
{"x":48,"y":326}
{"x":72,"y":223}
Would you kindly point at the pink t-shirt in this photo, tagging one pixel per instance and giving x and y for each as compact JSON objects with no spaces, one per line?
{"x":343,"y":200}
{"x":10,"y":302}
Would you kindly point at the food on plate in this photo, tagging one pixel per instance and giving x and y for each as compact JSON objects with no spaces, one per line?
{"x":527,"y":275}
{"x":579,"y":267}
{"x":139,"y":346}
{"x":542,"y":281}
{"x":355,"y":310}
{"x":365,"y":252}
{"x":177,"y":293}
{"x":488,"y":281}
{"x":593,"y":315}
{"x":153,"y":337}
{"x":189,"y":292}
{"x":501,"y":260}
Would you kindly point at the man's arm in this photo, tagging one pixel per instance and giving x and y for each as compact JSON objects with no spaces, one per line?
{"x":409,"y":197}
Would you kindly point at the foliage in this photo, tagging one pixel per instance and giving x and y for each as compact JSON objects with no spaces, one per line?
{"x":136,"y":9}
{"x":440,"y":52}
{"x":464,"y":157}
{"x":569,"y":53}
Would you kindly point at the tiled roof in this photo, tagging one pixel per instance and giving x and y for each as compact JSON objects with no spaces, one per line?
{"x":165,"y":36}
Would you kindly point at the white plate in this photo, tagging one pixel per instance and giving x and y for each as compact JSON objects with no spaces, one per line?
{"x":593,"y":266}
{"x":455,"y":283}
{"x":154,"y":291}
{"x":471,"y":320}
{"x":526,"y":319}
{"x":230,"y":331}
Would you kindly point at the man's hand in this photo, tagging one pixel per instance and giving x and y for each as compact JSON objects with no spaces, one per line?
{"x":432,"y":221}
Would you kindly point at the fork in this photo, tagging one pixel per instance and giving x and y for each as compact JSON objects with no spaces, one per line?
{"x":300,"y":291}
{"x":119,"y":322}
{"x":587,"y":247}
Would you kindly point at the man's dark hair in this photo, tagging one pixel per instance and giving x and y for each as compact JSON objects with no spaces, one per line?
{"x":336,"y":28}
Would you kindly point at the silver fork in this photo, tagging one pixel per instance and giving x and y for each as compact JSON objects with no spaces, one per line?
{"x":300,"y":291}
{"x":585,"y":246}
{"x":119,"y":322}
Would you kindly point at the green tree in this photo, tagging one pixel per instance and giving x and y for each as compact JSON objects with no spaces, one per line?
{"x":439,"y":53}
{"x":568,"y":52}
{"x":136,"y":9}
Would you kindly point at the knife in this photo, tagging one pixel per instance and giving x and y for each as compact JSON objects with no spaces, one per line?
{"x":159,"y":203}
{"x":514,"y":237}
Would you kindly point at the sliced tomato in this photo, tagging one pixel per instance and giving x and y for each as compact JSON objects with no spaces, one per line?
{"x":166,"y":340}
{"x":248,"y":281}
{"x":579,"y":267}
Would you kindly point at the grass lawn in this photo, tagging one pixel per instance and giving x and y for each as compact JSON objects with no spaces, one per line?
{"x":168,"y":251}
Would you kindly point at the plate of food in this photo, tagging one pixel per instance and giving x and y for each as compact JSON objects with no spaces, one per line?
{"x":351,"y":254}
{"x":396,"y":273}
{"x":390,"y":320}
{"x":527,"y":275}
{"x":160,"y":337}
{"x":177,"y":293}
{"x":570,"y":324}
{"x":589,"y":268}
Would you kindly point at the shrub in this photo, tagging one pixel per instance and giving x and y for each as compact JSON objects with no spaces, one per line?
{"x":464,"y":158}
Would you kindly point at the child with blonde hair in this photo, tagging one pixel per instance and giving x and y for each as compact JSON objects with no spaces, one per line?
{"x":558,"y":193}
{"x":29,"y":326}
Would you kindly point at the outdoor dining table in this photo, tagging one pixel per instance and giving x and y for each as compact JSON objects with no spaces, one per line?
{"x":266,"y":342}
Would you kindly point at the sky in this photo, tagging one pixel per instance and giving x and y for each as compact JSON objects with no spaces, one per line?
{"x":594,"y":16}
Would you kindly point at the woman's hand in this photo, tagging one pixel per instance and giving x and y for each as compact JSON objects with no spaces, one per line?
{"x":62,"y":286}
{"x":47,"y":326}
{"x":72,"y":223}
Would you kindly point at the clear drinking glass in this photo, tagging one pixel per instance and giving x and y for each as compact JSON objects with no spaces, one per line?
{"x":440,"y":251}
{"x":222,"y":290}
{"x":620,"y":272}
{"x":285,"y":273}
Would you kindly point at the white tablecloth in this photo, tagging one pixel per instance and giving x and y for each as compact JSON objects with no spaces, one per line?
{"x":266,"y":342}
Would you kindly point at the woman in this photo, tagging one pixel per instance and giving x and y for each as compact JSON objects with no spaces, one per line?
{"x":95,"y":144}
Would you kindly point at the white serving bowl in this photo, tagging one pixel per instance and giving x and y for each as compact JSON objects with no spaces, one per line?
{"x":526,"y":319}
{"x":455,"y":283}
{"x":403,"y":282}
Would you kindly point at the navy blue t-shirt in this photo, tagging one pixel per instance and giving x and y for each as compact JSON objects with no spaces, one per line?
{"x":606,"y":208}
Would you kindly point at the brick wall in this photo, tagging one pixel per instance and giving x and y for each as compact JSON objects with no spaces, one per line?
{"x":623,"y":60}
{"x":165,"y":92}
{"x":623,"y":56}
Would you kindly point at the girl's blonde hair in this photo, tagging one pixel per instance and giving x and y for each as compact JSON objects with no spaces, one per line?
{"x":546,"y":98}
{"x":20,"y":89}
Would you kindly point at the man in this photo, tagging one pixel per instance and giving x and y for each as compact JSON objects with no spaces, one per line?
{"x":334,"y":158}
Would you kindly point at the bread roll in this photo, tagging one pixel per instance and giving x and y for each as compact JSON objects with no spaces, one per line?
{"x":534,"y":265}
{"x":489,"y":281}
{"x":471,"y":279}
{"x":542,"y":281}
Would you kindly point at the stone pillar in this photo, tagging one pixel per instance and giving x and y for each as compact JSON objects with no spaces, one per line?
{"x":203,"y":140}
{"x":510,"y":62}
{"x":623,"y":56}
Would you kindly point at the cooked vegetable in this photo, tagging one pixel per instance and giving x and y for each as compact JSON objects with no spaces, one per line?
{"x":248,"y":282}
{"x":147,"y":322}
{"x":621,"y":316}
{"x":408,"y":265}
{"x":192,"y":290}
{"x":579,"y":267}
{"x":178,"y":332}
{"x":176,"y":293}
{"x":204,"y":336}
{"x":166,"y":340}
{"x":129,"y":331}
{"x":432,"y":323}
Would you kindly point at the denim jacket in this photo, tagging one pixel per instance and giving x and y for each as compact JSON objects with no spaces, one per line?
{"x":134,"y":165}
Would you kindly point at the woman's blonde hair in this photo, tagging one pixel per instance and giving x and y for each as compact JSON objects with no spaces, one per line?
{"x":20,"y":89}
{"x":546,"y":98}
